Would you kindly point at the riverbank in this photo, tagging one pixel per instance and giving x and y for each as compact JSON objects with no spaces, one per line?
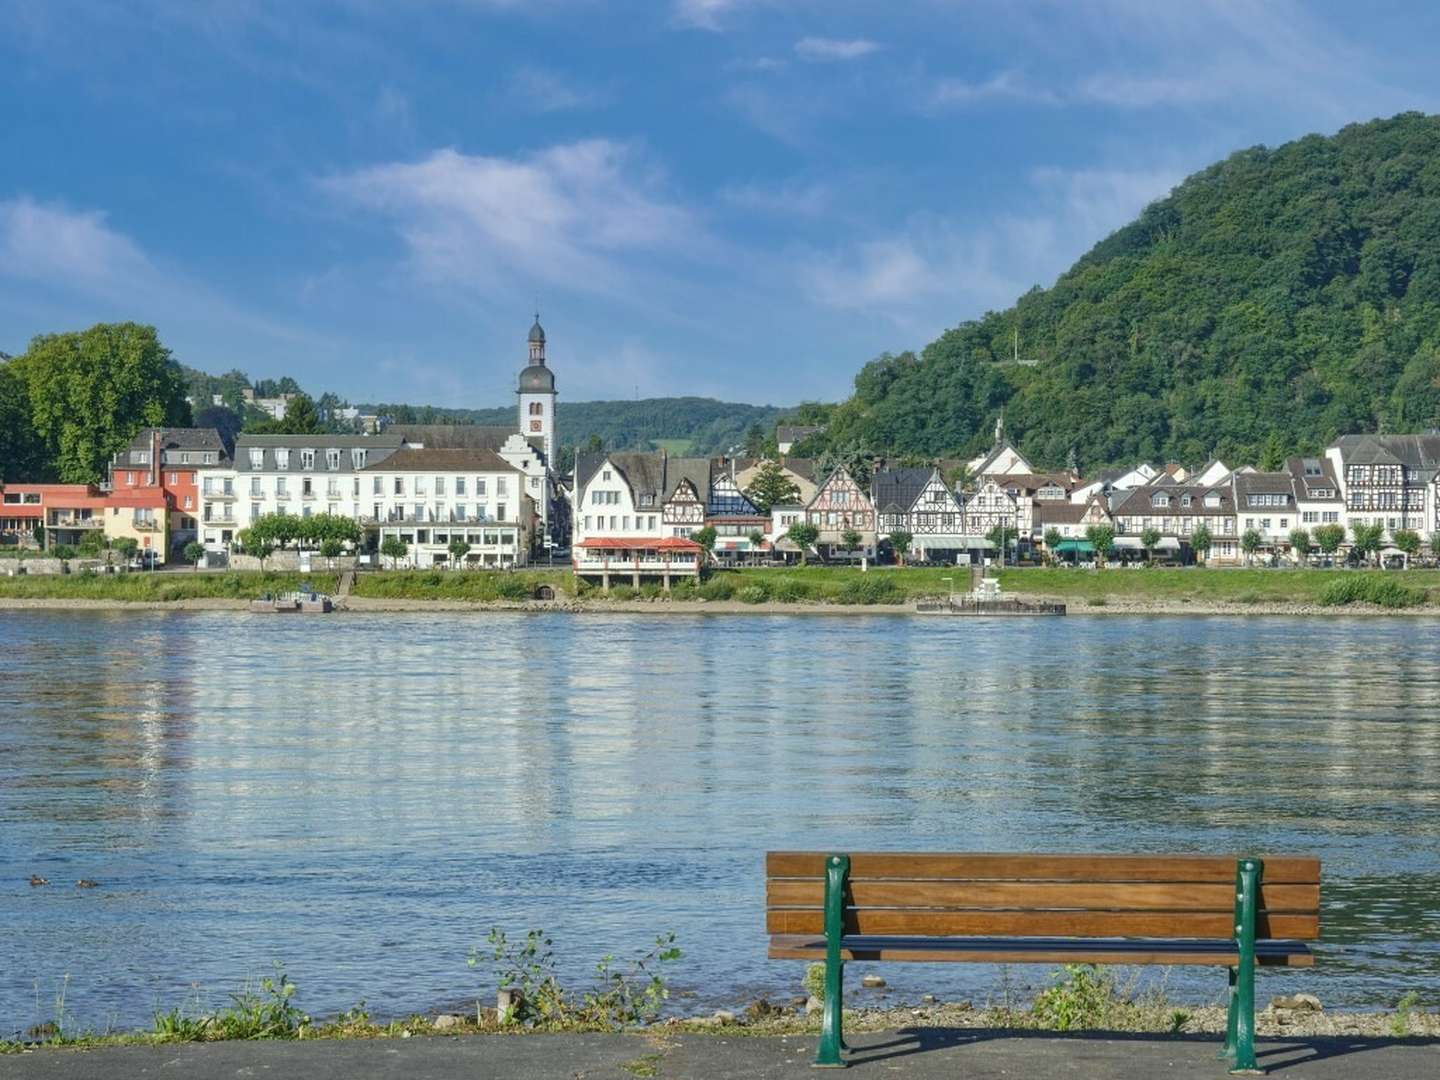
{"x":762,"y":591}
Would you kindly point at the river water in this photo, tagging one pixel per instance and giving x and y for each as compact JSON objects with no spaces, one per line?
{"x":362,"y":797}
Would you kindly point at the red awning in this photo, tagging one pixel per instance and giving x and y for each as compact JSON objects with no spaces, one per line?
{"x":669,"y":543}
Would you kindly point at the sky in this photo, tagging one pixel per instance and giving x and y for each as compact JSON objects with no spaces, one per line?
{"x":743,"y":199}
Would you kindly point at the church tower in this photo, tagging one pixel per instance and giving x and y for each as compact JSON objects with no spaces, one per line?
{"x":537,"y":395}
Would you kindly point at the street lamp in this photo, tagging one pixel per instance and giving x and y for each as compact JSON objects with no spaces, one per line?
{"x":951,"y":582}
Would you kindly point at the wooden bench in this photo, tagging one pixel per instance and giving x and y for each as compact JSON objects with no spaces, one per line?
{"x":1044,"y":909}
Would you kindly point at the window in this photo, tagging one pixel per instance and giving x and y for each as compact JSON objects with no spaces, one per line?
{"x":257,"y":459}
{"x":459,"y":485}
{"x":1160,"y":499}
{"x":332,"y":459}
{"x":139,"y":457}
{"x":307,"y":459}
{"x":624,"y":522}
{"x":189,"y":503}
{"x":461,"y":512}
{"x":440,"y":485}
{"x":500,"y":486}
{"x":399,"y":485}
{"x":480,"y":486}
{"x":500,"y":513}
{"x":332,"y":489}
{"x":355,"y":487}
{"x":587,"y":522}
{"x":419,"y":511}
{"x":647,"y":500}
{"x":537,"y":409}
{"x":282,"y":458}
{"x":280,"y":491}
{"x":605,"y":474}
{"x":419,"y":485}
{"x":130,"y":479}
{"x":357,"y":459}
{"x":184,"y":459}
{"x":306,"y":488}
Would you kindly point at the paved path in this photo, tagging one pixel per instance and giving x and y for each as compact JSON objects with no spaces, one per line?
{"x":929,"y":1054}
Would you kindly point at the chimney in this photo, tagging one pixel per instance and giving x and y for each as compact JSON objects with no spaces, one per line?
{"x":154,"y":457}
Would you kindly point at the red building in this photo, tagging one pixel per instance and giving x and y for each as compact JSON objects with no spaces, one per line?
{"x":69,"y":512}
{"x":167,"y":461}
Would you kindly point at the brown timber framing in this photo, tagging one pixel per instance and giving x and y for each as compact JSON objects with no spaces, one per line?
{"x":1239,"y":913}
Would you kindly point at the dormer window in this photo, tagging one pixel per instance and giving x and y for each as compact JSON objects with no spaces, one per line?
{"x":1212,"y":500}
{"x":1160,"y":499}
{"x":282,"y":458}
{"x":1184,"y":500}
{"x":307,"y":459}
{"x":332,"y":459}
{"x":257,"y":459}
{"x":357,"y":459}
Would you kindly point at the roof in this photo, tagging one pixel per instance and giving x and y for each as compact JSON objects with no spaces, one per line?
{"x":187,"y":438}
{"x":1135,"y":501}
{"x":793,"y":433}
{"x":895,"y":490}
{"x":537,"y":332}
{"x":454,"y":436}
{"x":1060,"y":513}
{"x":376,"y":446}
{"x":536,"y":379}
{"x":143,"y":497}
{"x":801,"y":467}
{"x":1420,"y":453}
{"x":648,"y":472}
{"x":1309,"y":475}
{"x":415,"y":459}
{"x":1265,"y":483}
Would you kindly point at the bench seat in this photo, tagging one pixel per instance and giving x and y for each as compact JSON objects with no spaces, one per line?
{"x":1009,"y":950}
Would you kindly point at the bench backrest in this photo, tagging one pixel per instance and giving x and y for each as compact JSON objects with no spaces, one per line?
{"x":1170,"y":897}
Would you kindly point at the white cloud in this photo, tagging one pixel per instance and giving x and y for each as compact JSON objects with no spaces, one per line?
{"x":1009,"y":85}
{"x":540,"y":90}
{"x":566,"y":216}
{"x":703,"y":14}
{"x":823,"y":49}
{"x":76,"y":249}
{"x":782,"y":200}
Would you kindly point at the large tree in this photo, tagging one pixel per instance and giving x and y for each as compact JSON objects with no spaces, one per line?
{"x":771,"y":486}
{"x":301,"y":418}
{"x":21,"y":455}
{"x":89,"y":392}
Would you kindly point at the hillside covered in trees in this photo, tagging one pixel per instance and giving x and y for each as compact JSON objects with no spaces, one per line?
{"x":1269,"y":303}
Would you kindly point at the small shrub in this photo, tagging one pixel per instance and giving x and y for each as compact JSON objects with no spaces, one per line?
{"x":752,"y":594}
{"x":622,"y":592}
{"x":717,"y":588}
{"x":1400,"y":1022}
{"x":1363,"y":589}
{"x":175,"y":1026}
{"x":682,"y":590}
{"x":266,"y":1013}
{"x":651,"y":591}
{"x":789,"y":590}
{"x":513,"y":587}
{"x":1096,"y":601}
{"x":870,"y":589}
{"x":1082,"y":998}
{"x":432,"y":579}
{"x":815,"y":981}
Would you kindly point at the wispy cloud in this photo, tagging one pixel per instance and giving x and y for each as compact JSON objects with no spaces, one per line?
{"x":782,"y":200}
{"x":703,"y":14}
{"x":949,"y":91}
{"x":541,"y":90}
{"x":564,"y":215}
{"x":830,"y":49}
{"x":76,"y":249}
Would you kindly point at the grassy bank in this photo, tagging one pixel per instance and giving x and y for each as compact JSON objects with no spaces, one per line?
{"x":825,"y":584}
{"x":474,"y":585}
{"x":232,"y":584}
{"x":1204,"y":586}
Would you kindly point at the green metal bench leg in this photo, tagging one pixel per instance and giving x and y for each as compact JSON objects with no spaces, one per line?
{"x":1247,"y":899}
{"x":1228,"y":1050}
{"x":832,"y":1041}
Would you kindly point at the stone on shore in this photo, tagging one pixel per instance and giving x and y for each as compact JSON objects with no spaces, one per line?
{"x":724,"y":1016}
{"x":1297,"y":1002}
{"x":445,"y":1022}
{"x":874,"y":982}
{"x":813,"y":1005}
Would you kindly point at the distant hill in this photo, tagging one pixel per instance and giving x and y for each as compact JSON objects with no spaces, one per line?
{"x":1270,"y":302}
{"x":684,"y":424}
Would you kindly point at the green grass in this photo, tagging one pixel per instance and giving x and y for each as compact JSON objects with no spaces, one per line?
{"x":475,"y":585}
{"x":1237,"y":586}
{"x":140,"y":586}
{"x":678,"y":447}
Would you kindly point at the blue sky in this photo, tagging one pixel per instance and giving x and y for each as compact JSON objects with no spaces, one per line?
{"x":739,"y":198}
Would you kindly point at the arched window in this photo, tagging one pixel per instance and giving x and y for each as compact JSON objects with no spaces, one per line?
{"x":537,"y":409}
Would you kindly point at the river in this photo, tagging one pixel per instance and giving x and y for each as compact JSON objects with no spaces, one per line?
{"x":363,"y":796}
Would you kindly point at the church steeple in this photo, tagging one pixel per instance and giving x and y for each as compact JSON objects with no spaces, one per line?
{"x":536,"y":392}
{"x":537,"y":342}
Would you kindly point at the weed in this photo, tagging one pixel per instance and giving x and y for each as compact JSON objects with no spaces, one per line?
{"x":634,"y":992}
{"x":265,"y":1012}
{"x":1096,"y":601}
{"x":751,"y":594}
{"x":645,"y":1065}
{"x":622,"y":592}
{"x":1178,"y":1019}
{"x":815,"y":981}
{"x":1082,"y":998}
{"x":175,"y":1026}
{"x":1364,"y":589}
{"x":717,"y":588}
{"x":528,"y":969}
{"x":1400,"y":1022}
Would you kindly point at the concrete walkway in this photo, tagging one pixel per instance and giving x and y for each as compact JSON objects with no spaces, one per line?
{"x":927,"y":1054}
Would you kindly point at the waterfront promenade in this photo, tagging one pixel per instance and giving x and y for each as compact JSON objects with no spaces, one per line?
{"x":929,"y":1054}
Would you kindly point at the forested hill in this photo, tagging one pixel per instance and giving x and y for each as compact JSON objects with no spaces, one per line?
{"x":684,"y":424}
{"x":1272,"y":301}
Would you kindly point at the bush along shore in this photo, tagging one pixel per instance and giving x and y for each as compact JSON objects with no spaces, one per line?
{"x":815,"y":588}
{"x":631,"y":995}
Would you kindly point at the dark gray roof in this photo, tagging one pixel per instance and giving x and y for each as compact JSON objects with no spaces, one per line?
{"x":410,"y":459}
{"x":894,"y":491}
{"x":537,"y":332}
{"x":187,"y":440}
{"x":647,"y":472}
{"x":1264,"y":483}
{"x":377,"y":447}
{"x":536,"y":379}
{"x":1312,"y":474}
{"x":696,"y":470}
{"x":1420,"y":453}
{"x":1134,"y":502}
{"x":453,"y":436}
{"x":793,"y":433}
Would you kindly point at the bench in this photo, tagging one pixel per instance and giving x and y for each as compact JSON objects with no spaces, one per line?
{"x":1044,"y":909}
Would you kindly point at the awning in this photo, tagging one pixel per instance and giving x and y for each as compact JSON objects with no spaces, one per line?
{"x":1168,"y":543}
{"x":1129,"y":542}
{"x":1077,"y":547}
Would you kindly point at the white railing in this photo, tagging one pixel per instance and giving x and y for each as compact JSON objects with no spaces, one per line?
{"x":616,"y":565}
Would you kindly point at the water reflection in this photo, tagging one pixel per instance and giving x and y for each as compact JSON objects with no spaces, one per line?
{"x":363,"y":797}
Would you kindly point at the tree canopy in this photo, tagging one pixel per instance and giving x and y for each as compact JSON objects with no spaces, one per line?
{"x":1271,"y":302}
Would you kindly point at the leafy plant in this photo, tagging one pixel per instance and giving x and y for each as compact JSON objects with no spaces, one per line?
{"x":1081,"y":998}
{"x":1400,"y":1022}
{"x":529,"y":970}
{"x":814,"y":981}
{"x":633,"y":992}
{"x":263,"y":1012}
{"x":175,"y":1026}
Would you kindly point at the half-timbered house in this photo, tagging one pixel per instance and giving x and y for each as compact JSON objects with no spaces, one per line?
{"x":918,"y":501}
{"x":840,"y":505}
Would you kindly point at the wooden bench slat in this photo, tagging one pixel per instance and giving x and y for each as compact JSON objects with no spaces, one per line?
{"x":1217,"y":869}
{"x":1100,"y":924}
{"x":1091,"y":896}
{"x":1040,"y":951}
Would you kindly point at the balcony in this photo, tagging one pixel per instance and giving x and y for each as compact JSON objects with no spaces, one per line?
{"x":218,"y":493}
{"x":599,"y":564}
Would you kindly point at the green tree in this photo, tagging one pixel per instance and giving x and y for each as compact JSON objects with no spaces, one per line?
{"x":706,"y":539}
{"x":850,"y":539}
{"x":194,"y":552}
{"x":1300,"y":544}
{"x":757,"y":541}
{"x":772,"y":486}
{"x":1202,"y":541}
{"x":1408,"y":541}
{"x":1148,"y":539}
{"x":900,"y":540}
{"x":1000,"y":538}
{"x":459,"y":547}
{"x":330,"y":549}
{"x":1053,"y":539}
{"x":1328,"y":538}
{"x":1250,"y":542}
{"x":301,"y":418}
{"x":22,"y":457}
{"x":127,"y":546}
{"x":90,"y":391}
{"x":1102,"y":539}
{"x":754,"y":441}
{"x":1366,"y":539}
{"x":803,"y":535}
{"x":394,"y":549}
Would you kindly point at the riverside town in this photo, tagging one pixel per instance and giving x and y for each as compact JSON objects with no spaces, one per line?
{"x":946,"y":583}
